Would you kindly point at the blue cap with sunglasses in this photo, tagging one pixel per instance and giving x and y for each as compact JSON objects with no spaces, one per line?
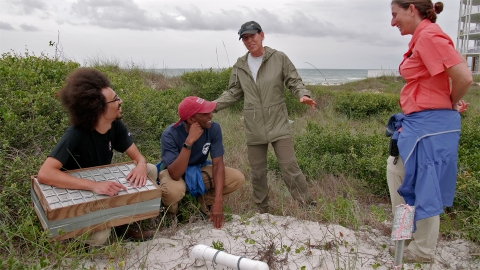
{"x":249,"y":28}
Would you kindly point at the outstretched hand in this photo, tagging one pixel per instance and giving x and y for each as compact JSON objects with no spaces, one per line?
{"x":310,"y":102}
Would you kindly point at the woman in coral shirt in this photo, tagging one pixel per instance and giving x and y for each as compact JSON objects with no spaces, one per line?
{"x":437,"y":78}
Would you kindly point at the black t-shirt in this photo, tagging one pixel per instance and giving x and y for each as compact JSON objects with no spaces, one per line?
{"x":79,"y":148}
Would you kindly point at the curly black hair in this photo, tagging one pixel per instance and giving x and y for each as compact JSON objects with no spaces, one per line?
{"x":82,"y":97}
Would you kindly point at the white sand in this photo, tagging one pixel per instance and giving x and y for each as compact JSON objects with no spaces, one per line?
{"x":295,"y":243}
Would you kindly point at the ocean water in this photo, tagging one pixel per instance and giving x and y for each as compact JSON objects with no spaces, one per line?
{"x":331,"y":76}
{"x":309,"y":76}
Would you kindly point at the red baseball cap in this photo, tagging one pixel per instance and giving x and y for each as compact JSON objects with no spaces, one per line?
{"x":192,"y":105}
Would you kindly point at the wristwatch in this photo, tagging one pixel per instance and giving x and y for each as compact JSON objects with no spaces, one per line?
{"x":189,"y":147}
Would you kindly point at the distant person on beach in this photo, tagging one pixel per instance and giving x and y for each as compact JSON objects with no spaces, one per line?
{"x":96,"y":130}
{"x":430,"y":124}
{"x":185,"y":167}
{"x":259,"y":78}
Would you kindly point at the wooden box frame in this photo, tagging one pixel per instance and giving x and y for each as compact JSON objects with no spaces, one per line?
{"x":96,"y":215}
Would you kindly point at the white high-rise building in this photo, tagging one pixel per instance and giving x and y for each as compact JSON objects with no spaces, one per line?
{"x":468,"y":38}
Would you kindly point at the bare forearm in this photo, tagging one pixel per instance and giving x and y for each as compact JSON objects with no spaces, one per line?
{"x":178,"y":167}
{"x":459,"y":89}
{"x":140,"y":160}
{"x":50,"y":174}
{"x":216,"y":212}
{"x":461,"y":80}
{"x":219,"y":182}
{"x":135,"y":155}
{"x":218,"y":178}
{"x":57,"y":178}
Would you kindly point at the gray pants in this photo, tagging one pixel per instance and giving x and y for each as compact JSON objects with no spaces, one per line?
{"x":426,"y":236}
{"x":291,"y":173}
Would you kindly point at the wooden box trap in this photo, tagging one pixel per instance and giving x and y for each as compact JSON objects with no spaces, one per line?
{"x":66,"y":213}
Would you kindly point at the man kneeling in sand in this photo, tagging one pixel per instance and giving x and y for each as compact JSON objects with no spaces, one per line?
{"x":96,"y":130}
{"x":185,"y":148}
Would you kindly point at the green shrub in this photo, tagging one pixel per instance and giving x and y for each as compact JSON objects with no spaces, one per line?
{"x":146,"y":111}
{"x":334,"y":149}
{"x":340,"y":211}
{"x":466,"y":205}
{"x":29,"y":110}
{"x":467,"y":197}
{"x":364,"y":104}
{"x":468,"y":152}
{"x":32,"y":121}
{"x":294,"y":107}
{"x":208,"y":83}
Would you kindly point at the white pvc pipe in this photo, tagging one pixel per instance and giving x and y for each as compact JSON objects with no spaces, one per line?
{"x":219,"y":257}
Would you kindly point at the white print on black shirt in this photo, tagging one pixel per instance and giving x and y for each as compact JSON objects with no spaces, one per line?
{"x":205,"y":148}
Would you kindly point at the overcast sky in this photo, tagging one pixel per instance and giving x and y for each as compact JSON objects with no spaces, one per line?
{"x":339,"y":34}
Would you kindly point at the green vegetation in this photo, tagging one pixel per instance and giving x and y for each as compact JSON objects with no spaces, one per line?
{"x":207,"y":83}
{"x":359,"y":105}
{"x":341,"y":148}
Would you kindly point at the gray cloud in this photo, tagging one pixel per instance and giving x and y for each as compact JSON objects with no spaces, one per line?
{"x":125,"y":14}
{"x":6,"y":26}
{"x":29,"y":28}
{"x":111,"y":14}
{"x":29,"y":6}
{"x":298,"y":24}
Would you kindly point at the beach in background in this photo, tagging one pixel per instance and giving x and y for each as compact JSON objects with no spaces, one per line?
{"x":309,"y":76}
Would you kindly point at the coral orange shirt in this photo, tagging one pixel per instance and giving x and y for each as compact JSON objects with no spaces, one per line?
{"x":430,"y":52}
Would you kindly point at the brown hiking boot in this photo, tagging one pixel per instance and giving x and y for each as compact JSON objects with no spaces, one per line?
{"x":409,"y":257}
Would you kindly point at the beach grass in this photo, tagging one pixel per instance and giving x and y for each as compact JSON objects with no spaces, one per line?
{"x":341,"y":148}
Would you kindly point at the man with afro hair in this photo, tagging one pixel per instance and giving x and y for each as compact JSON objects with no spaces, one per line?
{"x":95,"y":130}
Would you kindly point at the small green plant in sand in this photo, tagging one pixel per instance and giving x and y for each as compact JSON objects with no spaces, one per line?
{"x":218,"y":245}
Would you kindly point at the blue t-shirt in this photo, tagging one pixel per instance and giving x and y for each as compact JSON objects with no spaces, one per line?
{"x":210,"y":141}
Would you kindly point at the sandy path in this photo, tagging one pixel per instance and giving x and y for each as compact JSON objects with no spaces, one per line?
{"x":292,"y":243}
